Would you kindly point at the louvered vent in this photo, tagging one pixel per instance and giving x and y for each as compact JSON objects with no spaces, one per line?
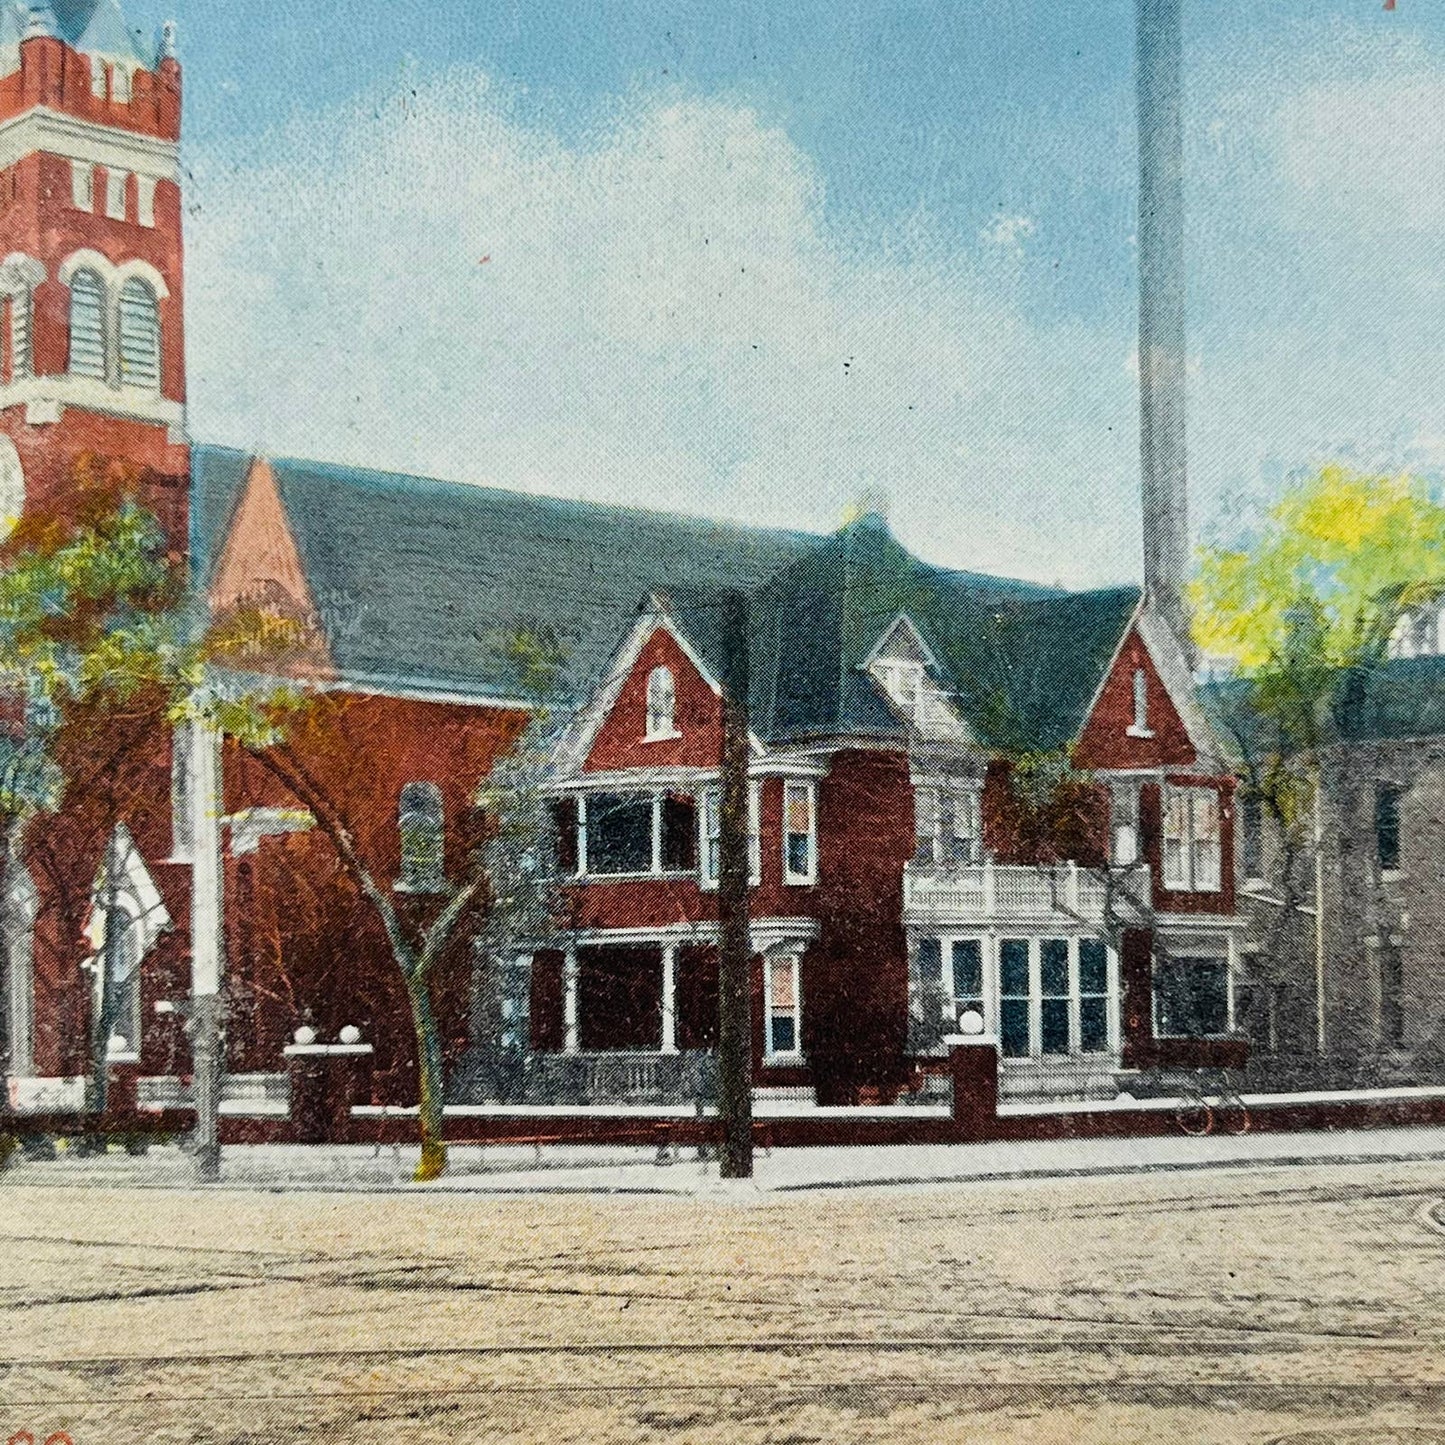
{"x":87,"y":325}
{"x":140,"y":336}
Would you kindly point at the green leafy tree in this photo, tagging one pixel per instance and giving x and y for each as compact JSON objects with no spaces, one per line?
{"x":92,"y":637}
{"x":1299,"y":611}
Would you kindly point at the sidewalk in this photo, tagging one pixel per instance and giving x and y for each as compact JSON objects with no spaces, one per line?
{"x":602,"y":1169}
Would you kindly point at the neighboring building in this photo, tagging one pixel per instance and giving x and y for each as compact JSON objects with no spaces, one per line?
{"x":1357,"y":994}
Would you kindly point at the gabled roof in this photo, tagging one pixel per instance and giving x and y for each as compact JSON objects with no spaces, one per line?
{"x":422,"y":584}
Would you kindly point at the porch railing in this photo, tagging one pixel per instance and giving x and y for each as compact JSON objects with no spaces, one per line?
{"x":989,"y":892}
{"x":622,"y":1078}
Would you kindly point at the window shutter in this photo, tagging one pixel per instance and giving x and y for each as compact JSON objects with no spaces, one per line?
{"x":87,"y":325}
{"x":140,"y":336}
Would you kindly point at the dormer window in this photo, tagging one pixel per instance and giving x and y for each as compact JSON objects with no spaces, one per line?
{"x":661,"y":704}
{"x":1140,"y":728}
{"x":903,"y":681}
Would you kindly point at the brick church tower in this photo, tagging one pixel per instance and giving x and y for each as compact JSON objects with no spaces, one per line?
{"x":92,"y":357}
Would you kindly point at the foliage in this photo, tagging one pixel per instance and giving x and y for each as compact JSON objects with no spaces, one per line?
{"x":1039,"y":810}
{"x":1326,"y":578}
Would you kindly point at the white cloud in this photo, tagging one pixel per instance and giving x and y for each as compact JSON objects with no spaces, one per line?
{"x":664,"y":318}
{"x":1008,"y":232}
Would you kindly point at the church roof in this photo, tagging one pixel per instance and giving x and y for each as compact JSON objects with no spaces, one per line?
{"x":423,"y":583}
{"x":96,"y":27}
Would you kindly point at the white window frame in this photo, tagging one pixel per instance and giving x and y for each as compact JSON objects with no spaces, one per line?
{"x":929,"y":796}
{"x":1140,"y":728}
{"x":992,"y":948}
{"x":771,"y":1012}
{"x":656,"y":870}
{"x":1194,"y":844}
{"x":661,"y":705}
{"x":82,"y":185}
{"x":1124,"y":824}
{"x":809,"y":790}
{"x":709,"y":822}
{"x":115,"y":194}
{"x":905,"y":681}
{"x":120,"y":83}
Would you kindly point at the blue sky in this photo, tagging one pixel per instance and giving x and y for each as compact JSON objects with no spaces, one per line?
{"x":750,"y":259}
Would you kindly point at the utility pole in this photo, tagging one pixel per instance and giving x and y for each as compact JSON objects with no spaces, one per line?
{"x":204,"y":744}
{"x":735,"y":1013}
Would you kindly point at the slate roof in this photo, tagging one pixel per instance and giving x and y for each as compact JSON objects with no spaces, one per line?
{"x":423,"y":582}
{"x":1399,"y":697}
{"x":96,"y":27}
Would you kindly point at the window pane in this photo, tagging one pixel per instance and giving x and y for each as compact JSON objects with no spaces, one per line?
{"x":1014,"y":1028}
{"x":785,"y":1034}
{"x":1192,"y":996}
{"x":421,"y":820}
{"x":679,"y":833}
{"x":1093,"y":966}
{"x":930,"y":960}
{"x":799,"y":855}
{"x":1013,"y":967}
{"x":1387,"y":825}
{"x":1054,"y":1019}
{"x":1054,"y":967}
{"x":619,"y":834}
{"x":1093,"y":1025}
{"x":968,"y":969}
{"x":799,"y":813}
{"x":781,"y":982}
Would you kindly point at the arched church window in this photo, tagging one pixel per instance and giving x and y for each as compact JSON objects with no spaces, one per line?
{"x":661,"y":703}
{"x":87,"y":325}
{"x":422,"y":824}
{"x":140,"y":336}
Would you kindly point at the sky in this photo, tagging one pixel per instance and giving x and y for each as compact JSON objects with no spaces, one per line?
{"x":754,"y":260}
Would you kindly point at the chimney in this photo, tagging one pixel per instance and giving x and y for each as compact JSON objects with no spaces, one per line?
{"x":1161,"y":310}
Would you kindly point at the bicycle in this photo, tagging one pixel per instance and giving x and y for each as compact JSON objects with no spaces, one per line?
{"x":1201,"y":1109}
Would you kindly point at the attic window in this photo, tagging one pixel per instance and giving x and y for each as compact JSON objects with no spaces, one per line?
{"x":1140,"y":728}
{"x":661,"y":704}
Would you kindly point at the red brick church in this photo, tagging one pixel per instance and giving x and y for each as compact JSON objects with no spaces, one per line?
{"x":903,"y":874}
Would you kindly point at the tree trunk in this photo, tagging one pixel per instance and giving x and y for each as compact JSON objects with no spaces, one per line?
{"x":429,"y":1077}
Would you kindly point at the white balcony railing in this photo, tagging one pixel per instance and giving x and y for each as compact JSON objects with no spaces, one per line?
{"x":989,"y":893}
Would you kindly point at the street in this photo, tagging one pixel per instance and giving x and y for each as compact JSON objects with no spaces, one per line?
{"x":1214,"y":1306}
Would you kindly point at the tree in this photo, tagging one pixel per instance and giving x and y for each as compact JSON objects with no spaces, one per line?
{"x":92,"y":629}
{"x":1299,"y":610}
{"x":499,"y":897}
